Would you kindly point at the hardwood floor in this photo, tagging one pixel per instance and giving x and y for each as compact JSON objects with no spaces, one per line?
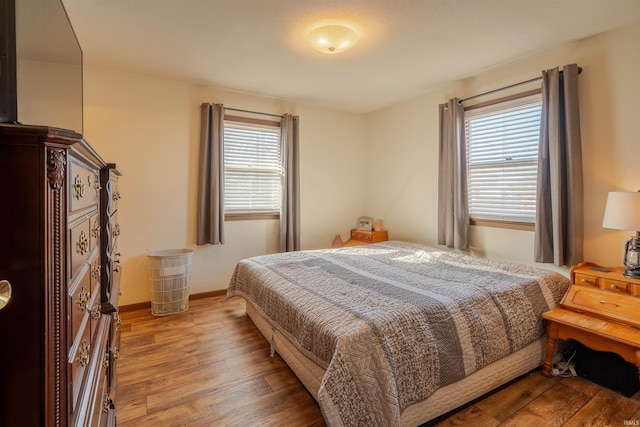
{"x":210,"y":366}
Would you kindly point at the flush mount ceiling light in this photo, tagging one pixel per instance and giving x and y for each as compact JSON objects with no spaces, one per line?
{"x":332,"y":38}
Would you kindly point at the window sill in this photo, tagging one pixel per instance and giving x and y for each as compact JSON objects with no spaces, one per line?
{"x":251,"y":216}
{"x":512,"y":225}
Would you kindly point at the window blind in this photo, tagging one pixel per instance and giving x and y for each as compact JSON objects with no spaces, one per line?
{"x":252,"y":168}
{"x":502,"y":160}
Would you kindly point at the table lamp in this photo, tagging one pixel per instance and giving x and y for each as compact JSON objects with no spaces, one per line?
{"x":623,"y":213}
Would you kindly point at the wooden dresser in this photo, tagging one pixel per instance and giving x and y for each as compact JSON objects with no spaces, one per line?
{"x":60,"y":328}
{"x":601,"y":310}
{"x":361,"y":237}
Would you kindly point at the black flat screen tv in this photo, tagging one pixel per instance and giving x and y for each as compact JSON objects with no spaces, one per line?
{"x":41,"y":68}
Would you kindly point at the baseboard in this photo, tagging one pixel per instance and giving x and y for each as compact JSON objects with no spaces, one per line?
{"x":147,"y":304}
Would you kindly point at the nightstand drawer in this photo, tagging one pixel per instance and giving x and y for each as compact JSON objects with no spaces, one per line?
{"x":585,"y":279}
{"x":613,"y":285}
{"x":611,"y":305}
{"x":363,"y":236}
{"x":369,"y":236}
{"x":608,"y":279}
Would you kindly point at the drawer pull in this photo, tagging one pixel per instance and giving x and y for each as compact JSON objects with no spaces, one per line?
{"x":96,"y":185}
{"x":5,"y":293}
{"x":95,"y":271}
{"x":82,"y":245}
{"x":95,"y":231}
{"x":106,"y":404}
{"x":584,"y":281}
{"x":614,"y":286}
{"x":95,"y":311}
{"x":612,"y":303}
{"x":83,"y":298}
{"x":78,"y":187}
{"x":83,"y":357}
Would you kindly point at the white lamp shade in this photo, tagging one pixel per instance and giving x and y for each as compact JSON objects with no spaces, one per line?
{"x":622,"y":211}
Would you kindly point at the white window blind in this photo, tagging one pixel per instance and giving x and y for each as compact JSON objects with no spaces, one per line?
{"x":502,"y":160}
{"x":252,"y":168}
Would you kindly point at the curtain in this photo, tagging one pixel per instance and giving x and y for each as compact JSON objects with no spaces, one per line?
{"x":290,"y":208}
{"x":211,"y":176}
{"x":453,"y":211}
{"x":559,"y":204}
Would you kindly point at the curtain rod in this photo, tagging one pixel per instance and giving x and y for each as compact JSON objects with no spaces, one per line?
{"x":253,"y":112}
{"x":507,"y":87}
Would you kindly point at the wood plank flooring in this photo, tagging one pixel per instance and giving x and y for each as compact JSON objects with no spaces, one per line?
{"x":210,"y":366}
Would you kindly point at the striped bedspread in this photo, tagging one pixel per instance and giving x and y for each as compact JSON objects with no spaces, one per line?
{"x":394,"y":321}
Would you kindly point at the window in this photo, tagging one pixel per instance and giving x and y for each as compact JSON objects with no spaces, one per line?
{"x":252,"y":168}
{"x":502,"y":160}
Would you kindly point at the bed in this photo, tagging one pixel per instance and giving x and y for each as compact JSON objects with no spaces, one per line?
{"x":397,"y":333}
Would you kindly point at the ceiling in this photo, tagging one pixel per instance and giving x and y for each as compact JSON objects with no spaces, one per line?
{"x":407,"y":47}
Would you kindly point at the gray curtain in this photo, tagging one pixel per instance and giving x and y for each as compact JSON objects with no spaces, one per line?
{"x":290,"y":208}
{"x":453,"y":211}
{"x":559,"y":205}
{"x":211,"y":176}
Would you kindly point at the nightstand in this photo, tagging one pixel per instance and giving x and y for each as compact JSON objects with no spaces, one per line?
{"x":360,"y":237}
{"x":601,"y":310}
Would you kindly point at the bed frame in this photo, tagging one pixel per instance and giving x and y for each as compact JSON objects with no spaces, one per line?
{"x":440,"y":402}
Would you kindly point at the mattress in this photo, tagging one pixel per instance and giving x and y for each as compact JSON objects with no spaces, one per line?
{"x":389,"y":325}
{"x":441,"y":401}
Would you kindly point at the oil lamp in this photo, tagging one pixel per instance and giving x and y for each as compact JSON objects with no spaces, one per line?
{"x":623,"y":213}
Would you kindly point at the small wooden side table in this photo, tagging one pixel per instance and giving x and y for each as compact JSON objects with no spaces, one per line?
{"x":360,"y":237}
{"x":600,"y":310}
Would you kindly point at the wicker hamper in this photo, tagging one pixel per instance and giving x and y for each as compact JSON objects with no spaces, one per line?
{"x":170,"y":274}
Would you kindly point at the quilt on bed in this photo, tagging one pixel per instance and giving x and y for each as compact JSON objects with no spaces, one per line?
{"x":394,"y":321}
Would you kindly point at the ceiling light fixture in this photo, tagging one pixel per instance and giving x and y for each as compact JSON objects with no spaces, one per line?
{"x":332,"y":38}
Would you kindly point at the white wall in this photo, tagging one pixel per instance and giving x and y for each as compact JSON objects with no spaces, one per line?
{"x":150,"y":128}
{"x":382,"y":165}
{"x":402,"y":147}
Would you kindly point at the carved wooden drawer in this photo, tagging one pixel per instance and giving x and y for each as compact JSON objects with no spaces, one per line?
{"x":79,"y":246}
{"x":102,"y":404}
{"x":94,"y":227}
{"x":79,"y":300}
{"x":89,"y":373}
{"x":79,"y":359}
{"x":94,"y":310}
{"x":84,"y":186}
{"x":96,"y":269}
